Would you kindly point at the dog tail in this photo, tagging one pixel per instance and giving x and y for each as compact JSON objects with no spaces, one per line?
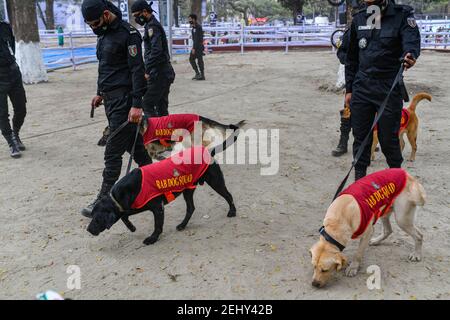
{"x":221,"y":126}
{"x":417,"y":98}
{"x":228,"y":142}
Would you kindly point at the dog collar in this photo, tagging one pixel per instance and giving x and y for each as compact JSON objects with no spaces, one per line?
{"x":330,"y":239}
{"x":117,"y":204}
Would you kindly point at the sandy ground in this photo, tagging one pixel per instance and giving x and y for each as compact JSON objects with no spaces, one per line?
{"x":260,"y":254}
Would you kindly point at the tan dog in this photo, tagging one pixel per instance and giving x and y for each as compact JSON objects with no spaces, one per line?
{"x":159,"y":133}
{"x":409,"y":126}
{"x":344,"y":217}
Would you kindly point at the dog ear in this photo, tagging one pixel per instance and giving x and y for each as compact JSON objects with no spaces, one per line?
{"x":341,"y":261}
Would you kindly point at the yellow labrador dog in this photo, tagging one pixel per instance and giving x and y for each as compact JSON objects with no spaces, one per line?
{"x":353,"y":214}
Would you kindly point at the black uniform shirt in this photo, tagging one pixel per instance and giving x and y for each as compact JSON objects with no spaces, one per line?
{"x":197,"y":38}
{"x":155,"y":44}
{"x":7,"y":45}
{"x":119,"y":52}
{"x":376,"y":52}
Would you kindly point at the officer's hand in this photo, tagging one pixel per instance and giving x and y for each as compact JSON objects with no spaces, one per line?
{"x":348,"y":98}
{"x":96,"y":101}
{"x":135,"y":115}
{"x":409,"y":61}
{"x":147,"y":76}
{"x":193,"y":52}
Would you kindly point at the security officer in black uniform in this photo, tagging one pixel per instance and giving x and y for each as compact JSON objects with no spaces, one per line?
{"x":120,"y":86}
{"x":197,"y":48}
{"x":371,"y":66}
{"x":345,"y":127}
{"x":158,"y":69}
{"x":11,"y":86}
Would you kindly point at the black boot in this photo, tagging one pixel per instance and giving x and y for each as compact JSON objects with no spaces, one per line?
{"x":342,"y":147}
{"x":197,"y":76}
{"x":13,"y":147}
{"x":104,"y":191}
{"x":360,"y":173}
{"x":201,"y":76}
{"x":19,"y":142}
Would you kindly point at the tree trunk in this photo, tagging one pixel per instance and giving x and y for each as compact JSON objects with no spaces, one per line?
{"x":49,"y":14}
{"x":22,"y":15}
{"x":196,"y":8}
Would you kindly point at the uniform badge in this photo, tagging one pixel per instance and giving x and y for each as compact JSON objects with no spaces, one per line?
{"x":132,"y":50}
{"x":362,"y":43}
{"x":176,"y":173}
{"x":150,"y":32}
{"x":412,"y":22}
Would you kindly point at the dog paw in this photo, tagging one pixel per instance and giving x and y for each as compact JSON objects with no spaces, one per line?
{"x":231,"y":213}
{"x":352,"y":270}
{"x":181,"y":227}
{"x":415,"y":257}
{"x":375,"y":241}
{"x":150,"y":240}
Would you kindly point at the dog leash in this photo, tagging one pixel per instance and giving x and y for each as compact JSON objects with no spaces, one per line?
{"x":133,"y":147}
{"x":397,"y":80}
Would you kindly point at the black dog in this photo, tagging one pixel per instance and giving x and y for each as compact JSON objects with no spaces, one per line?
{"x":118,"y":204}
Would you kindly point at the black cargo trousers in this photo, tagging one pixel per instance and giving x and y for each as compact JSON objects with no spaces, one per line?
{"x":11,"y":86}
{"x":368,"y":94}
{"x":156,"y":99}
{"x":117,"y":107}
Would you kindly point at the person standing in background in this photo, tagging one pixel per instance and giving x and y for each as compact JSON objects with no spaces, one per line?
{"x":196,"y":55}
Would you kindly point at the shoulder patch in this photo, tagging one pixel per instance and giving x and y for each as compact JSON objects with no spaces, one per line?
{"x":132,"y":50}
{"x":150,"y":32}
{"x":412,"y":22}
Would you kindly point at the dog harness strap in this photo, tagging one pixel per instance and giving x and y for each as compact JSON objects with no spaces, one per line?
{"x":174,"y":174}
{"x":169,"y":196}
{"x":164,"y":142}
{"x":375,"y":195}
{"x":330,"y":239}
{"x":162,"y":128}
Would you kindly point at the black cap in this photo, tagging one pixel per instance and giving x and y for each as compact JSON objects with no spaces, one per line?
{"x":140,"y":5}
{"x":93,"y":9}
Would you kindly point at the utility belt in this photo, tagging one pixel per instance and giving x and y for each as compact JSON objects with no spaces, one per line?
{"x":114,"y":94}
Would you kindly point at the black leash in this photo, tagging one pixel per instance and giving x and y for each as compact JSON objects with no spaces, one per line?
{"x":133,"y":148}
{"x":397,"y":80}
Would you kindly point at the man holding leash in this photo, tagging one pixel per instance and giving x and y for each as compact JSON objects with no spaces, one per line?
{"x":11,"y":86}
{"x":158,"y":69}
{"x":381,"y":34}
{"x":197,"y":48}
{"x":120,"y":86}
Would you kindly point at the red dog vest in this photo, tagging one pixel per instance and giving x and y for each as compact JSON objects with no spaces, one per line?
{"x":162,"y":128}
{"x":375,"y":191}
{"x":403,"y":122}
{"x":174,"y":174}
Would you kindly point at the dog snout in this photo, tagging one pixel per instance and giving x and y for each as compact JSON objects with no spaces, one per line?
{"x":317,"y":284}
{"x":92,"y":230}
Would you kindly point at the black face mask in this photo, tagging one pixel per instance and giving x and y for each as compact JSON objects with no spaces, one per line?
{"x":140,"y":20}
{"x":100,"y":31}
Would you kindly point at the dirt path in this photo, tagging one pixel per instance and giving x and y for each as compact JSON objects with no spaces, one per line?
{"x":260,"y":254}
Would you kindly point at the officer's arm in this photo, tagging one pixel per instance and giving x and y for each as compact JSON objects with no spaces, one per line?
{"x":199,"y":36}
{"x":136,"y":65}
{"x":156,"y":51}
{"x":410,"y":35}
{"x":352,"y":59}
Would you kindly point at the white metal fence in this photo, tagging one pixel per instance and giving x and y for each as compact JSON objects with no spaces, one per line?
{"x":79,"y":47}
